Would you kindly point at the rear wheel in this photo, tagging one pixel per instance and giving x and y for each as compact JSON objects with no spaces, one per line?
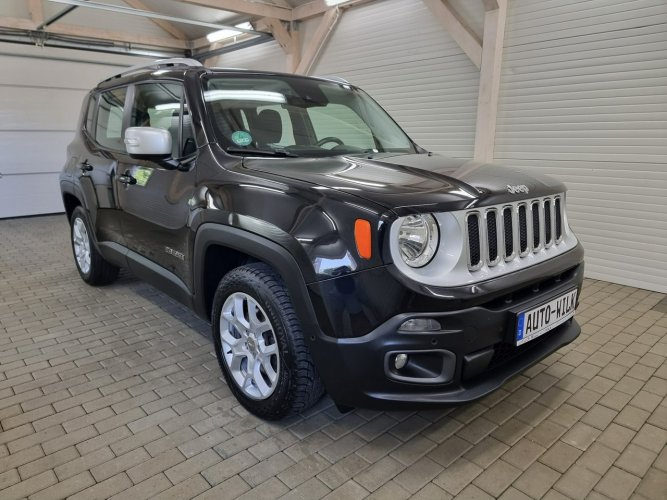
{"x":92,"y":267}
{"x":260,"y":346}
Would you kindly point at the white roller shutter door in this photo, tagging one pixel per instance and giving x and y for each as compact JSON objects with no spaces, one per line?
{"x":584,"y":98}
{"x":40,"y":100}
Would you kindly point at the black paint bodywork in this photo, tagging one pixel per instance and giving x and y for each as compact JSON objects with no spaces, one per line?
{"x":297,"y":214}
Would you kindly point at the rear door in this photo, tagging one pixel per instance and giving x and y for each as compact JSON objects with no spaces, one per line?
{"x":97,"y":162}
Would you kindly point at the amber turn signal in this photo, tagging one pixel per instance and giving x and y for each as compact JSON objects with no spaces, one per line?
{"x":362,"y":236}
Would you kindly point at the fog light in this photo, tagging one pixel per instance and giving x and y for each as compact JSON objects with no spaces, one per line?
{"x":420,"y":325}
{"x":400,"y":361}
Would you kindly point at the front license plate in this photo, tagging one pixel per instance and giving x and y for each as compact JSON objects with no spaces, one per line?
{"x":531,"y":324}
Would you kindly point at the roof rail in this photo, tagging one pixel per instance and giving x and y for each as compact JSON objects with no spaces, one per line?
{"x":158,"y":64}
{"x":336,"y":79}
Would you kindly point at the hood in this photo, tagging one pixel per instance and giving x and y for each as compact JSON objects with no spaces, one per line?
{"x":405,"y":183}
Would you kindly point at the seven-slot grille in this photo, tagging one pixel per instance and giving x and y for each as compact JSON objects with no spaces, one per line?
{"x":513,"y":231}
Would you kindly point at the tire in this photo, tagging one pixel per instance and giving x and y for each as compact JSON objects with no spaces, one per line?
{"x":92,"y":267}
{"x":296,"y":386}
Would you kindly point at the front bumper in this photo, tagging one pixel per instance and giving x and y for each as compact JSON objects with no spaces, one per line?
{"x":470,"y":356}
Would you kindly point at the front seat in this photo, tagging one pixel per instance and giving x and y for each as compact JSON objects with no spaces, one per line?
{"x":268,"y":127}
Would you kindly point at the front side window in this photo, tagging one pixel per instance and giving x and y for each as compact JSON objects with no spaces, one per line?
{"x":161,"y":105}
{"x":109,"y":129}
{"x":299,"y":116}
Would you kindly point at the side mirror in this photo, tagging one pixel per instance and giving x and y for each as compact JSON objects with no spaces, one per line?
{"x":148,"y":143}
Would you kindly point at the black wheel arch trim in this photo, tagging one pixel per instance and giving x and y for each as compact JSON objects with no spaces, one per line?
{"x":260,"y":248}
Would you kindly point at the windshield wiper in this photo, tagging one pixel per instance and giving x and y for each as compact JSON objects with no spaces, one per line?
{"x":280,"y":153}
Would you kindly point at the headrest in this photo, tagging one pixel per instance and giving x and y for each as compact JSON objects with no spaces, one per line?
{"x":268,"y":127}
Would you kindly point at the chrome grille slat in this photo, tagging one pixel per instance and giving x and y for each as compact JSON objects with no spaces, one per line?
{"x":558,"y":219}
{"x":515,"y":231}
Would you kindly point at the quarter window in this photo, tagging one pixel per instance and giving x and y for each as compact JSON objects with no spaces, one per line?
{"x":109,"y":130}
{"x":90,"y":114}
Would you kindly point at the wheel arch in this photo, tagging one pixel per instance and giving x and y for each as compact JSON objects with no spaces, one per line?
{"x":70,"y":201}
{"x":238,"y":247}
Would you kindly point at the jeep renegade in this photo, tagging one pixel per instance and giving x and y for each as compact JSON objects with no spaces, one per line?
{"x":327,"y":249}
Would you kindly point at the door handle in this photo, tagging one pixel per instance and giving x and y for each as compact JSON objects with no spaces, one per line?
{"x":85,"y":166}
{"x":127,"y":179}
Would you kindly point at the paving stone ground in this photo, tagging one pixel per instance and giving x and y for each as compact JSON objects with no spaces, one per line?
{"x":115,"y":392}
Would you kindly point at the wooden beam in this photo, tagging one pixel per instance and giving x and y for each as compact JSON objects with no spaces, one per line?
{"x":165,"y":25}
{"x":324,"y":30}
{"x":36,"y":11}
{"x":94,"y":33}
{"x":17,"y":23}
{"x":288,"y":40}
{"x":458,"y":29}
{"x":491,"y":4}
{"x":318,"y":7}
{"x":99,"y":34}
{"x":282,"y":3}
{"x":248,"y":8}
{"x":489,"y":82}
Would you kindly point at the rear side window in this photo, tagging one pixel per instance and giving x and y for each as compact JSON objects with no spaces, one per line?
{"x":109,"y":130}
{"x":90,"y":114}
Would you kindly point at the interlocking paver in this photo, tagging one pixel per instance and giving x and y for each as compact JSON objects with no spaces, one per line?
{"x":116,"y":391}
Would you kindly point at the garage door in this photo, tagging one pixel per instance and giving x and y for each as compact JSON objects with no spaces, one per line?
{"x":584,"y":98}
{"x":42,"y":91}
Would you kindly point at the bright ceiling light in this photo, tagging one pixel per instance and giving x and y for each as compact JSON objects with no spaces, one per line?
{"x":216,"y":36}
{"x":244,"y":95}
{"x":332,"y":3}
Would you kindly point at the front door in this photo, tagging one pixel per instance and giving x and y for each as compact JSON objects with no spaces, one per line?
{"x":155,"y":199}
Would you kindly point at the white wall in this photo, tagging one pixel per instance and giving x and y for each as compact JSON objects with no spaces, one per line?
{"x":584,"y":98}
{"x":41,"y":91}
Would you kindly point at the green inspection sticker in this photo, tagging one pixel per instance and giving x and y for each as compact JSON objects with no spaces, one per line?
{"x":241,"y":138}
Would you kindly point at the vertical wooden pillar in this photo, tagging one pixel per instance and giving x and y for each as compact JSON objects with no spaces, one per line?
{"x":489,"y":80}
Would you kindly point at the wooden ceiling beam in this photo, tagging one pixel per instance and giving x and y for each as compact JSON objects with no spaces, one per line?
{"x":324,"y":30}
{"x":101,"y":34}
{"x":458,"y":29}
{"x":318,"y":7}
{"x":36,"y":11}
{"x":287,"y":39}
{"x":254,"y":9}
{"x":491,"y":4}
{"x":17,"y":23}
{"x":165,"y":25}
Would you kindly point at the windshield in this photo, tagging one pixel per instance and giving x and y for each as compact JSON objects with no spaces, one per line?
{"x":295,"y":116}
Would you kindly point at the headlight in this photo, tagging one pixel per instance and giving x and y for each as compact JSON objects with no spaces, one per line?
{"x":418,"y":239}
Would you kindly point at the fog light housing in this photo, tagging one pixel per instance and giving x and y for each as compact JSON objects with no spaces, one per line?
{"x":400,"y":361}
{"x":420,"y":325}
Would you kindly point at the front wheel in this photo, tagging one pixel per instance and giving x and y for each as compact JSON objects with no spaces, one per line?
{"x":92,"y":267}
{"x":260,"y":346}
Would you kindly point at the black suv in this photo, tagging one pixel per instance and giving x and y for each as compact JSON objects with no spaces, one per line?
{"x":327,"y":249}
